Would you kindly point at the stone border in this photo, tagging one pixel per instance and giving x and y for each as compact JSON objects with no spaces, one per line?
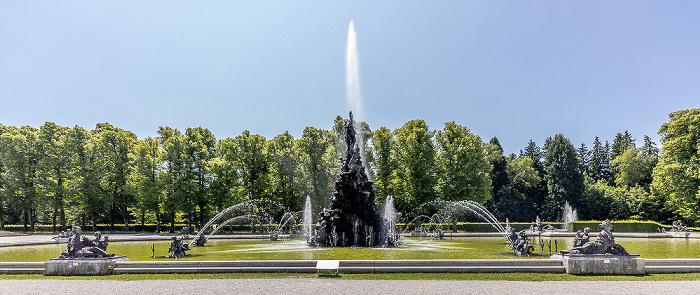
{"x":355,"y":266}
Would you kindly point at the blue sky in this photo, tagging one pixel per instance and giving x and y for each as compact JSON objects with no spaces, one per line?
{"x":518,"y":70}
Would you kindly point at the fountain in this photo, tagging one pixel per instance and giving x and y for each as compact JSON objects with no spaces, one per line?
{"x":307,"y":222}
{"x":260,"y":212}
{"x":520,"y":243}
{"x":353,"y":219}
{"x":569,"y":214}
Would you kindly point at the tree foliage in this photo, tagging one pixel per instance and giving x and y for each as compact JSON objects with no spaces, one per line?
{"x":677,"y":175}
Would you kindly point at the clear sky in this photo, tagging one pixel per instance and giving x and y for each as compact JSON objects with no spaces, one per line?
{"x":518,"y":70}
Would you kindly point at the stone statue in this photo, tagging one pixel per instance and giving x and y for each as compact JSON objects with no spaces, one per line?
{"x":677,"y":226}
{"x":200,"y":241}
{"x":605,"y":244}
{"x":82,"y":247}
{"x":521,"y":244}
{"x":582,"y":237}
{"x":178,"y":248}
{"x":538,"y":223}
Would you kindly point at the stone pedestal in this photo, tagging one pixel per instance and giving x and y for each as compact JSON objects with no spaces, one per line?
{"x":82,"y":266}
{"x":602,"y":264}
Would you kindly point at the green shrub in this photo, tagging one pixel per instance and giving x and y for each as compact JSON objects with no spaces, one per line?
{"x":632,"y":226}
{"x":475,"y":227}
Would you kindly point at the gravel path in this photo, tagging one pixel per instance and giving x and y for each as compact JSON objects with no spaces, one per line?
{"x":336,"y":286}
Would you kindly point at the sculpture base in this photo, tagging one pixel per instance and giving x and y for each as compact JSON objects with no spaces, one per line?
{"x":580,"y":264}
{"x":82,"y":266}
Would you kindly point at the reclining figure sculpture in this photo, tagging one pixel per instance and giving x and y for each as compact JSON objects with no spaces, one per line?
{"x":80,"y":246}
{"x":605,"y":244}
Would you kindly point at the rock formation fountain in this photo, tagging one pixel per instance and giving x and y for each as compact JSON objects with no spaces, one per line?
{"x":353,"y":219}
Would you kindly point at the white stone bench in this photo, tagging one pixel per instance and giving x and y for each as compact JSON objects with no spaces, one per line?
{"x":328,"y":266}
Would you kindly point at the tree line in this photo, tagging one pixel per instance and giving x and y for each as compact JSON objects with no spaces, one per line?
{"x":61,"y":176}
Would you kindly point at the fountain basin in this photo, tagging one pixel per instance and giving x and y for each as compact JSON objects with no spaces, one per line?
{"x":82,"y":267}
{"x":602,"y":264}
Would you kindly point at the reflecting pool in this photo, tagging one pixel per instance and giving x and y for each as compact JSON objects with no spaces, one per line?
{"x":412,"y":248}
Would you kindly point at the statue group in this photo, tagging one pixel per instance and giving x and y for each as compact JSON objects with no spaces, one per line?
{"x":177,"y":248}
{"x":80,"y":246}
{"x":605,"y":244}
{"x":520,"y":243}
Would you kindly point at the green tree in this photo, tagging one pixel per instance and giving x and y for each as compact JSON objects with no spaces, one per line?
{"x":525,"y":181}
{"x":84,"y":179}
{"x":464,"y":169}
{"x":599,"y":164}
{"x":113,"y":146}
{"x":249,"y":155}
{"x":199,"y":150}
{"x":499,"y":204}
{"x":564,"y":180}
{"x":20,"y":153}
{"x":174,"y":179}
{"x":677,"y":175}
{"x":54,"y":166}
{"x":145,"y":179}
{"x":318,"y":161}
{"x":537,"y":193}
{"x":283,"y":171}
{"x":415,"y":154}
{"x":384,"y":164}
{"x":634,"y":168}
{"x":584,"y":157}
{"x":622,"y":142}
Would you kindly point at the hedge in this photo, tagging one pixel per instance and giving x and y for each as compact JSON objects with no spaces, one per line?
{"x":632,"y":226}
{"x":476,"y":227}
{"x":147,"y":228}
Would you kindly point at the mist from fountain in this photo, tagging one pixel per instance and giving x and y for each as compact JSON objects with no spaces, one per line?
{"x":570,"y":215}
{"x":308,"y":221}
{"x":254,"y":211}
{"x":352,"y":73}
{"x":447,"y":209}
{"x":389,"y":235}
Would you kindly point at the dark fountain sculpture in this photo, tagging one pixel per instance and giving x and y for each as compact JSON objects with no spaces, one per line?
{"x":353,"y":219}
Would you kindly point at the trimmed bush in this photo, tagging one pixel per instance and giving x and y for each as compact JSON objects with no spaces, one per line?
{"x":476,"y":227}
{"x":632,"y":226}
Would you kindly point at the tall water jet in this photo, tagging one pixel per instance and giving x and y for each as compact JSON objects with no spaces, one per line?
{"x":389,"y":235}
{"x":353,"y":97}
{"x":569,"y":214}
{"x":352,"y":74}
{"x":307,"y":228}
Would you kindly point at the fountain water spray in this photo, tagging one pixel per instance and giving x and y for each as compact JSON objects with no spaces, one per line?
{"x":569,"y":214}
{"x":389,"y":235}
{"x":352,"y":74}
{"x":308,"y":222}
{"x":256,"y":211}
{"x":353,"y":97}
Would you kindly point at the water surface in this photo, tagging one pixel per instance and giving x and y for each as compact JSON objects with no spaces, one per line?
{"x":412,"y":248}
